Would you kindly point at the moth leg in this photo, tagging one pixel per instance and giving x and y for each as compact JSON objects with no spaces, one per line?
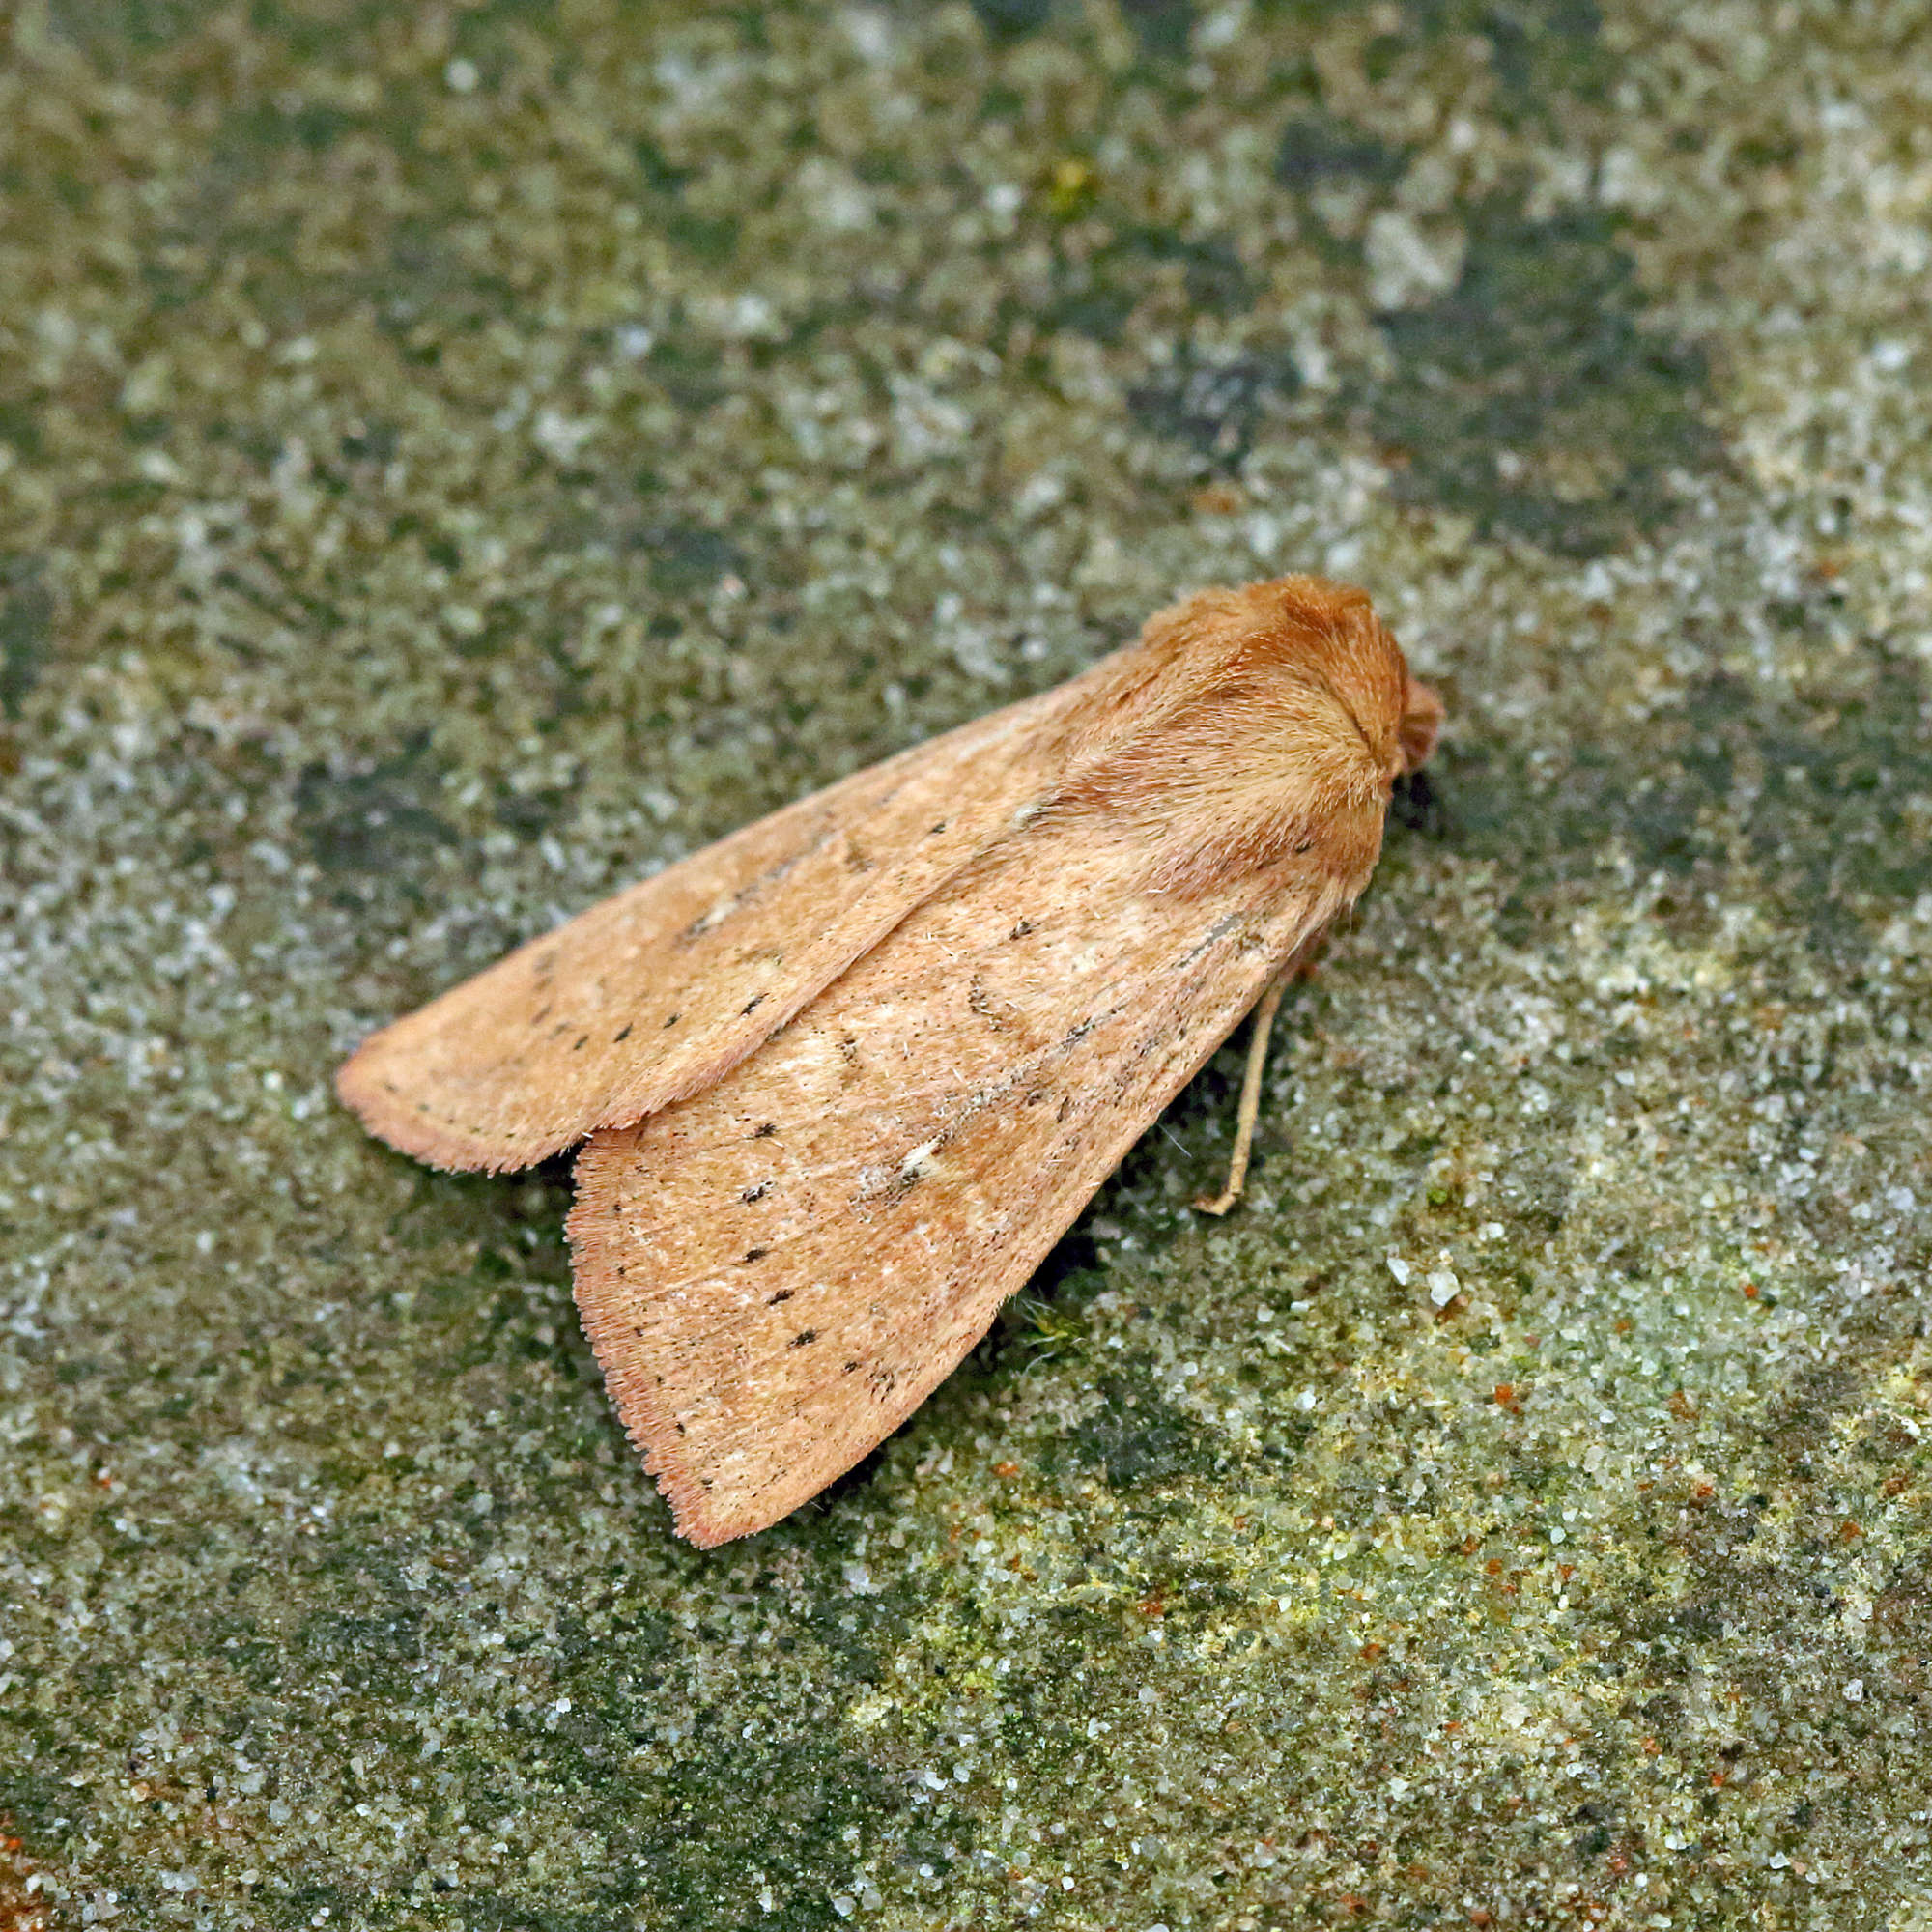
{"x":1251,"y":1090}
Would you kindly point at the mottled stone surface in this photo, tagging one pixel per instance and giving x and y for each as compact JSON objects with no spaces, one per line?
{"x":454,"y":459}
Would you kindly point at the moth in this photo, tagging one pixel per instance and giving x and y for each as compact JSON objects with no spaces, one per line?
{"x":841,"y":1079}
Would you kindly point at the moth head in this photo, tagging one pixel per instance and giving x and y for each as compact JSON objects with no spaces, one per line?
{"x":1249,"y":724}
{"x":1343,"y":666}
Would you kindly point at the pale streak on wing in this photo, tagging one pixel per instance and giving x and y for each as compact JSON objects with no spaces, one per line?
{"x":654,"y":992}
{"x":777,"y":1272}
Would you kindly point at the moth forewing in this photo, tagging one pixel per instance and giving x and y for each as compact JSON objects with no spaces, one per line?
{"x":652,"y":993}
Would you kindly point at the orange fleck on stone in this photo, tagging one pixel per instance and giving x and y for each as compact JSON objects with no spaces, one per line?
{"x":1215,"y":500}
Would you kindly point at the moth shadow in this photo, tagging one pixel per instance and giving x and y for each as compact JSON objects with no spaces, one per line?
{"x":1035,"y":1323}
{"x":1032,"y":1327}
{"x":538,"y":1197}
{"x":858,"y":1479}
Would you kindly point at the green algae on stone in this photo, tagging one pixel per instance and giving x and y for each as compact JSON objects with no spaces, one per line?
{"x":26,"y":617}
{"x":1530,"y":396}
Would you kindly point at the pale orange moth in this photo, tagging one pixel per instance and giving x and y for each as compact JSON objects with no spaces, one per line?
{"x":843,"y":1078}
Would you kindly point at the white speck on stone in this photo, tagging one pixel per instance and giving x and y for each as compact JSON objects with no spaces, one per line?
{"x":834,"y":199}
{"x":1623,"y":181}
{"x":750,"y":314}
{"x":1041,"y":492}
{"x":1855,"y":1691}
{"x":1400,"y":1268}
{"x":870,"y":30}
{"x":1408,"y":266}
{"x":1443,"y":1287}
{"x":972,"y":646}
{"x":561,"y":437}
{"x":461,"y":76}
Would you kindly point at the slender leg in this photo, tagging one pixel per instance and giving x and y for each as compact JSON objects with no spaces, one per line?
{"x":1251,"y":1093}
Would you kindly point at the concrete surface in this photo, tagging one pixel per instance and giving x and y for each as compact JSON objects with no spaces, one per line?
{"x":456,"y":458}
